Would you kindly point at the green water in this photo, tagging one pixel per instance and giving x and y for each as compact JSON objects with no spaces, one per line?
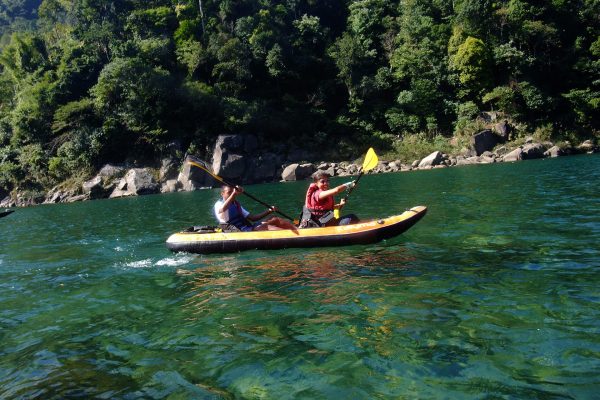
{"x":494,"y":294}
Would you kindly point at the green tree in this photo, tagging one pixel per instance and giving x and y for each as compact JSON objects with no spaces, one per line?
{"x":472,"y":65}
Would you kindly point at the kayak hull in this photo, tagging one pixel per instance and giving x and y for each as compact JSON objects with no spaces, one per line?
{"x":361,"y":233}
{"x":6,"y":212}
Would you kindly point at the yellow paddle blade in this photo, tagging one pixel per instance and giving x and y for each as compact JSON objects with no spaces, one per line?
{"x":200,"y":164}
{"x":371,"y":160}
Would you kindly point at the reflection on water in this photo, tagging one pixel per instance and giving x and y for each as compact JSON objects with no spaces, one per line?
{"x":315,"y":276}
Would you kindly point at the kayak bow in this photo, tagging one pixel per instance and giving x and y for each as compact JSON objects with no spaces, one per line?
{"x":6,"y":212}
{"x":362,"y":233}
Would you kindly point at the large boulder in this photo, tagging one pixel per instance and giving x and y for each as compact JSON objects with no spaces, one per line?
{"x":26,"y":199}
{"x":484,"y":141}
{"x":169,"y":169}
{"x":515,"y":155}
{"x":265,"y":168}
{"x":232,"y":166}
{"x":297,"y":172}
{"x":233,"y":155}
{"x":137,"y":181}
{"x":432,"y":160}
{"x":533,"y":150}
{"x":170,"y":186}
{"x":554,"y":151}
{"x":503,"y":130}
{"x":587,"y":147}
{"x":98,"y":187}
{"x":110,"y":171}
{"x":228,"y":160}
{"x":8,"y":201}
{"x":192,"y":178}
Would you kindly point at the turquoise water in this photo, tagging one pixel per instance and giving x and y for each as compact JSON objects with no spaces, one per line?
{"x":494,"y":294}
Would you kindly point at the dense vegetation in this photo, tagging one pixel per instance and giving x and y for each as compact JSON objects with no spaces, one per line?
{"x":106,"y":81}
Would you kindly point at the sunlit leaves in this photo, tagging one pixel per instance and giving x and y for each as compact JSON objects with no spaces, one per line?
{"x":134,"y":93}
{"x":472,"y":63}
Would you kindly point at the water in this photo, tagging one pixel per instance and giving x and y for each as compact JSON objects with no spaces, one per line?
{"x":494,"y":294}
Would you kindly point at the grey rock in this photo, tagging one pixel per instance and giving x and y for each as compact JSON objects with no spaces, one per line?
{"x":587,"y":147}
{"x":501,"y":151}
{"x":465,"y":152}
{"x":515,"y":155}
{"x":352,"y":169}
{"x":486,"y":159}
{"x":296,"y":172}
{"x":98,"y":187}
{"x":264,"y":168}
{"x":484,"y":141}
{"x":431,"y":160}
{"x":227,"y":156}
{"x":112,"y":171}
{"x":137,"y":181}
{"x":79,"y":197}
{"x":8,"y":201}
{"x":170,"y":186}
{"x":554,"y":151}
{"x":231,"y":166}
{"x":503,"y":130}
{"x":116,"y":193}
{"x":169,"y":169}
{"x":533,"y":150}
{"x":193,"y":178}
{"x":394,"y":167}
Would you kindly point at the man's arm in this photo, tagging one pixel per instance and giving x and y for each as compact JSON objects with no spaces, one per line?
{"x":260,"y":216}
{"x":231,"y":197}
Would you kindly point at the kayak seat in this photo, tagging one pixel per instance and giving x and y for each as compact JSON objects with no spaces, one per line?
{"x":201,"y":229}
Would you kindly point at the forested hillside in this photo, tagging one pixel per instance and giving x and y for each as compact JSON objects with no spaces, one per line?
{"x":16,"y":15}
{"x":115,"y":80}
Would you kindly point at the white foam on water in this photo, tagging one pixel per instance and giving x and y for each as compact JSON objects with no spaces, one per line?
{"x":174,"y":261}
{"x":140,"y":264}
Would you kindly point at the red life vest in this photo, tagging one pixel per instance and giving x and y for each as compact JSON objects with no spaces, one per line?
{"x":316,"y":206}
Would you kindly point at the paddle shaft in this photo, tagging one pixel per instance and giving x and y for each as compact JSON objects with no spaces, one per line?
{"x":360,"y":174}
{"x":218,"y":178}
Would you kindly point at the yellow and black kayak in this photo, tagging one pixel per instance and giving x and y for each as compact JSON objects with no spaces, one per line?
{"x":361,"y":233}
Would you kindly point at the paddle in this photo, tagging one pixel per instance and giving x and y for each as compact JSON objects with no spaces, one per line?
{"x":202,"y":165}
{"x":370,"y":162}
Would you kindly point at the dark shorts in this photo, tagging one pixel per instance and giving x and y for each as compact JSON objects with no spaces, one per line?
{"x":247,"y":228}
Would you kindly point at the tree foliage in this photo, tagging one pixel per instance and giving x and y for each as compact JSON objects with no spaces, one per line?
{"x":83,"y":82}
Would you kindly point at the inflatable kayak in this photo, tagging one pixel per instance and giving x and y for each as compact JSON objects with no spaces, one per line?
{"x":211,"y":241}
{"x":6,"y":212}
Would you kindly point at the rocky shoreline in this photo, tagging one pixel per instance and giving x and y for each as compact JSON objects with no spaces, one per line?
{"x":235,"y":158}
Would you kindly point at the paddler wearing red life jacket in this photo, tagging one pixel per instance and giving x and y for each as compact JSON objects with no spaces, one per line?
{"x":230,"y":214}
{"x":320,"y":204}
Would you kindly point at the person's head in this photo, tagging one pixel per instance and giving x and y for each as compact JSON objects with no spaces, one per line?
{"x":321,"y":179}
{"x":226,"y":191}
